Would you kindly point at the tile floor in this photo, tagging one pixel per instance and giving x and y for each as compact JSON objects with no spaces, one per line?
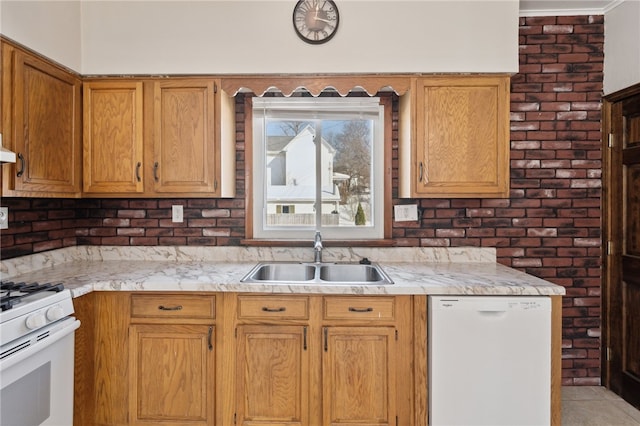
{"x":596,"y":406}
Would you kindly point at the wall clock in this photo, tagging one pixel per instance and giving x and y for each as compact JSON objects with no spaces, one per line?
{"x":315,"y":21}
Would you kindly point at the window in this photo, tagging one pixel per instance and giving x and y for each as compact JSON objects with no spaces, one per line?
{"x":318,"y":165}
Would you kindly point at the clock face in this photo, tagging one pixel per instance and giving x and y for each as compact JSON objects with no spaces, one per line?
{"x":315,"y":21}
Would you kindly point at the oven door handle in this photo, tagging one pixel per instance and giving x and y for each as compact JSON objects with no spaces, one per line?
{"x":71,"y":326}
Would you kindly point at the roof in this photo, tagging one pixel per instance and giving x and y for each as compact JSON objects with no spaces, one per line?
{"x":299,"y":193}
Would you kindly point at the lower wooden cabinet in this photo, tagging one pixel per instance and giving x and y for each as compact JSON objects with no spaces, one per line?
{"x":172,"y":359}
{"x":272,"y":375}
{"x":359,"y":376}
{"x":321,"y":360}
{"x":171,"y":374}
{"x":228,"y":359}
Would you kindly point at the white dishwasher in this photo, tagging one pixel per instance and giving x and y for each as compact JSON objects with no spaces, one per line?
{"x":489,"y":361}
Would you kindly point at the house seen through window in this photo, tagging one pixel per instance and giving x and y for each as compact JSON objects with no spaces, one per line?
{"x":315,"y":162}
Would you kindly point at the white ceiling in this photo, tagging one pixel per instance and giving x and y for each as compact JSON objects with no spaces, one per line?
{"x":566,"y":7}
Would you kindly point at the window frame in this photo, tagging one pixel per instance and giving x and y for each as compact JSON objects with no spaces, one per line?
{"x":386,"y":101}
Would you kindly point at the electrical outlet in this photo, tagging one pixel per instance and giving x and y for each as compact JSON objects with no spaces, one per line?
{"x":4,"y":217}
{"x":405,"y":212}
{"x":177,"y":214}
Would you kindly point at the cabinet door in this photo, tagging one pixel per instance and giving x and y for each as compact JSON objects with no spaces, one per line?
{"x":462,"y":137}
{"x":113,"y":146}
{"x":184,"y":149}
{"x":272,"y":376}
{"x":46,"y":127}
{"x":358,"y":373}
{"x":172,"y":375}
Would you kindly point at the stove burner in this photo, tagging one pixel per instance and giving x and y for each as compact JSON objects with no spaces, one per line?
{"x":8,"y":300}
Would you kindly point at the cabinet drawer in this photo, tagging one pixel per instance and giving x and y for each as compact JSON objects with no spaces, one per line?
{"x":173,"y":306}
{"x":358,"y":307}
{"x":272,"y":307}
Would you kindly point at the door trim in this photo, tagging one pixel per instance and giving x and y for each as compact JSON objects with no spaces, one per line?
{"x":611,"y":238}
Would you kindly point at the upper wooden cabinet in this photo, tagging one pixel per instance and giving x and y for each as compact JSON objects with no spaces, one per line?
{"x":183,"y":136}
{"x":113,"y":144}
{"x":41,"y":122}
{"x":171,"y":137}
{"x":454,"y":137}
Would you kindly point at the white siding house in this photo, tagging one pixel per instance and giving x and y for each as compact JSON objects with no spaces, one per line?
{"x":291,"y":175}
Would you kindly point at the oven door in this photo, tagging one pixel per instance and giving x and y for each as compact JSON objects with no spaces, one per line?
{"x":36,"y":378}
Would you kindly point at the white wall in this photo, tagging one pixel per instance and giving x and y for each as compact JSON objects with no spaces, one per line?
{"x":622,"y":46}
{"x":256,"y":36}
{"x":51,"y":28}
{"x":158,"y":37}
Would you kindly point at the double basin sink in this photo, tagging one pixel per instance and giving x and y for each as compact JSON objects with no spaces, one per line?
{"x":317,"y":274}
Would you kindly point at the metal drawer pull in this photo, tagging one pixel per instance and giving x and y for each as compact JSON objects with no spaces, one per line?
{"x":352,"y":309}
{"x":209,"y":334}
{"x":421,"y":174}
{"x":280,"y":309}
{"x":170,"y":308}
{"x":138,"y":171}
{"x":155,"y":171}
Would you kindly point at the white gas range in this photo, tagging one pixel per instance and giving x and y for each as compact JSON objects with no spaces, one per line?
{"x":36,"y":354}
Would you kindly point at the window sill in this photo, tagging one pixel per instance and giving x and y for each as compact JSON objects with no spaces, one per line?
{"x":326,"y":243}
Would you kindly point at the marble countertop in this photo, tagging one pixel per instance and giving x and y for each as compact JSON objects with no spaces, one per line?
{"x":455,"y":271}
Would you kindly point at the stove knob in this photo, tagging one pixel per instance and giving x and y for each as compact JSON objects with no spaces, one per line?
{"x":36,"y":320}
{"x":55,"y":313}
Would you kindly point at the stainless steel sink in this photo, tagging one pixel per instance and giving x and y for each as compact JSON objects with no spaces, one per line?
{"x":317,"y":274}
{"x":351,"y":273}
{"x":283,"y":272}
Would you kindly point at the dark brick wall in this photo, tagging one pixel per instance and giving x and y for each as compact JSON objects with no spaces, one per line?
{"x":549,"y":227}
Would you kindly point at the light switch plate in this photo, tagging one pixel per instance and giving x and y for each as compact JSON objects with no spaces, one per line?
{"x":4,"y":217}
{"x":405,"y":212}
{"x":177,"y":214}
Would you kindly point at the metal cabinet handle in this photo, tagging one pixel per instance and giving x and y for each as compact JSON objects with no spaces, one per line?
{"x":138,"y":171}
{"x":21,"y":170}
{"x":280,"y":309}
{"x":170,"y":308}
{"x":304,"y":336}
{"x":325,"y":332}
{"x":155,"y":171}
{"x":209,"y":336}
{"x":421,"y":173}
{"x":352,"y":309}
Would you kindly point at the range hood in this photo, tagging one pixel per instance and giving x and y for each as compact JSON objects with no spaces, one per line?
{"x":6,"y":156}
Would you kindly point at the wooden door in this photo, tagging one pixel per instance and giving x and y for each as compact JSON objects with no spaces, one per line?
{"x":358,"y":373}
{"x":113,"y":146}
{"x":462,"y":137}
{"x":272,"y":378}
{"x":184,"y":154}
{"x":622,"y":265}
{"x":46,"y":127}
{"x":172,"y":375}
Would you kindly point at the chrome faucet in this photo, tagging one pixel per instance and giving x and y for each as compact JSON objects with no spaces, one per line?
{"x":317,"y":248}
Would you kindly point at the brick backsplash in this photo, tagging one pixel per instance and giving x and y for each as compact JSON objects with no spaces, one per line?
{"x":549,"y":227}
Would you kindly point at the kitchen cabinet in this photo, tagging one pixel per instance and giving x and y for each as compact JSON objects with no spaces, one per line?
{"x":272,"y":360}
{"x":158,"y":138}
{"x":332,"y":360}
{"x":172,"y":360}
{"x":272,"y":375}
{"x":182,"y":134}
{"x":113,"y":144}
{"x":41,"y":122}
{"x":454,"y":137}
{"x":358,"y":363}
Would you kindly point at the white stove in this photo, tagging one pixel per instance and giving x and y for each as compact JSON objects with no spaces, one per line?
{"x":36,"y":353}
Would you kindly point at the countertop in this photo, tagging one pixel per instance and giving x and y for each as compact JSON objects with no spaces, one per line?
{"x":455,"y":271}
